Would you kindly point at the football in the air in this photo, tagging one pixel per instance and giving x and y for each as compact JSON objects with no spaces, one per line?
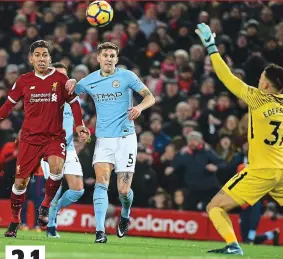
{"x":99,"y":13}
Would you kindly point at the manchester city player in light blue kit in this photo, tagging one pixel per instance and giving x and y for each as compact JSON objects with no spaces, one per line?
{"x":116,"y":147}
{"x":72,"y":169}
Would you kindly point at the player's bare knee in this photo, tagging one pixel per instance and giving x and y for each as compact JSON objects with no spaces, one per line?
{"x":123,"y":190}
{"x":210,"y":206}
{"x":102,"y":179}
{"x":21,"y":184}
{"x":76,"y":187}
{"x":75,"y":182}
{"x":56,"y":169}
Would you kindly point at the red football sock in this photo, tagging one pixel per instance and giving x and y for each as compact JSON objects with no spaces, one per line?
{"x":51,"y":188}
{"x":17,"y":202}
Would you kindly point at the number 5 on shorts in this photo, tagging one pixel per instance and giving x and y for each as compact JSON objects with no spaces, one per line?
{"x":130,"y":160}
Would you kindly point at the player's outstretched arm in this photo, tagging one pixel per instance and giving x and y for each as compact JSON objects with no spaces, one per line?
{"x":6,"y":108}
{"x":234,"y":84}
{"x":14,"y":96}
{"x":148,"y":101}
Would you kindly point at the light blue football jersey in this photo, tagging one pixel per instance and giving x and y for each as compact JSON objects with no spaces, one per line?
{"x":113,"y":97}
{"x":68,"y":125}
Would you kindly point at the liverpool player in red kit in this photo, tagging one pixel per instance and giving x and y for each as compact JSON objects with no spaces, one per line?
{"x":42,"y":136}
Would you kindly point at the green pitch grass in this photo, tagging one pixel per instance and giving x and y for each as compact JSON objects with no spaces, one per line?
{"x":81,"y":246}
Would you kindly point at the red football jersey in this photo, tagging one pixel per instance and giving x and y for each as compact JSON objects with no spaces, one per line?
{"x":44,"y":98}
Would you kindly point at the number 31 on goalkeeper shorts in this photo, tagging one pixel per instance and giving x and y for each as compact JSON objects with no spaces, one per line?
{"x":25,"y":252}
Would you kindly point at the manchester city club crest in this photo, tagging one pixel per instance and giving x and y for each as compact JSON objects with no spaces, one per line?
{"x":116,"y":84}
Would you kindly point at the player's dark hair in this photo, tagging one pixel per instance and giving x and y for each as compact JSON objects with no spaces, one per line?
{"x":274,"y":74}
{"x":59,"y":65}
{"x":107,"y":45}
{"x":39,"y":44}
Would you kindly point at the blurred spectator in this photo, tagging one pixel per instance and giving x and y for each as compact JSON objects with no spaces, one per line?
{"x":61,"y":38}
{"x":182,"y":58}
{"x":179,"y":202}
{"x":78,"y":26}
{"x":48,"y":24}
{"x":145,"y":181}
{"x":251,"y":28}
{"x":232,"y":24}
{"x":162,"y":36}
{"x":79,"y":72}
{"x":184,"y":38}
{"x":6,"y":132}
{"x":16,"y":53}
{"x":90,"y":41}
{"x":3,"y":62}
{"x":149,"y":22}
{"x":183,"y":112}
{"x":241,"y":50}
{"x":146,"y":57}
{"x":32,"y":35}
{"x":136,"y":40}
{"x":266,"y":23}
{"x":171,"y":97}
{"x":196,"y":167}
{"x":160,"y":138}
{"x":19,"y":27}
{"x":186,"y":81}
{"x":57,"y":8}
{"x":225,"y":148}
{"x":161,"y":200}
{"x":230,"y":127}
{"x":166,"y":180}
{"x":3,"y":93}
{"x":12,"y":72}
{"x":30,"y":11}
{"x":122,"y":15}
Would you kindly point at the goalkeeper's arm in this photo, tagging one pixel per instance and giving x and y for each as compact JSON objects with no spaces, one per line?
{"x":234,"y":84}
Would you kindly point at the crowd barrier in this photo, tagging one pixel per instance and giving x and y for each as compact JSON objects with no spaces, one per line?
{"x":144,"y":222}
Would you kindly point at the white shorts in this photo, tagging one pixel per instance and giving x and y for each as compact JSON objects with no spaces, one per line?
{"x":121,"y":152}
{"x":72,"y":165}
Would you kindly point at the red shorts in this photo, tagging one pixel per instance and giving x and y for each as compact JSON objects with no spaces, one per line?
{"x":29,"y":156}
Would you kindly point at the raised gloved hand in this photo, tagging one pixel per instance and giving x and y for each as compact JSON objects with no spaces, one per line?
{"x":206,"y":37}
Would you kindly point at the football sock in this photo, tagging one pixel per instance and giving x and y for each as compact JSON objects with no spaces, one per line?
{"x":126,"y":202}
{"x":53,"y":208}
{"x":18,"y":197}
{"x":100,"y":202}
{"x":251,"y":234}
{"x":69,"y":197}
{"x":269,"y":235}
{"x":223,"y":224}
{"x":51,"y":187}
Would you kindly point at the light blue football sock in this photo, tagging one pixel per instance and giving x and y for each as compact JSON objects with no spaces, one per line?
{"x":126,"y":202}
{"x":53,"y":208}
{"x":69,"y":197}
{"x":100,"y":203}
{"x":251,"y":235}
{"x":269,"y":235}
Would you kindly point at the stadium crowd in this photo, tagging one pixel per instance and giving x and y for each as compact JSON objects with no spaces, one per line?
{"x":195,"y":137}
